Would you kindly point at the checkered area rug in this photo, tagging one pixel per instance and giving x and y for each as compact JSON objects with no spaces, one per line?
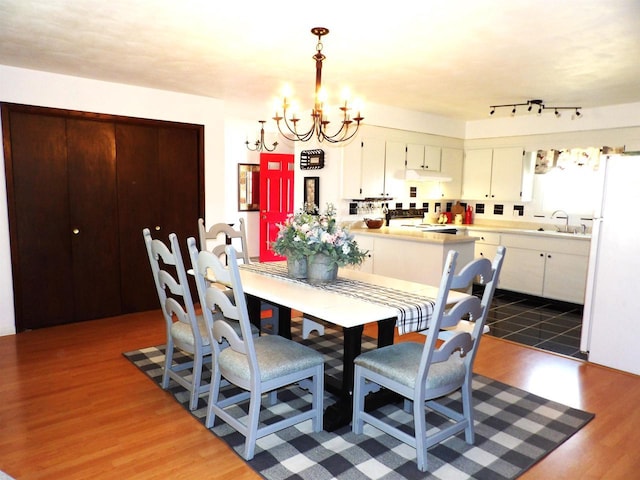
{"x":514,"y":430}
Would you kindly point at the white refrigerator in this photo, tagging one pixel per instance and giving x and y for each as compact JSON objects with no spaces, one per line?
{"x":611,"y":323}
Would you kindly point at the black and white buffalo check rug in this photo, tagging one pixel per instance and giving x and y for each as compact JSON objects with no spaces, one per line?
{"x":514,"y":430}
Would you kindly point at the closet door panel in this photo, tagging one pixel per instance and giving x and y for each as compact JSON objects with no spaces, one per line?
{"x":94,"y":218}
{"x":43,"y":289}
{"x":178,"y":162}
{"x":140,"y":198}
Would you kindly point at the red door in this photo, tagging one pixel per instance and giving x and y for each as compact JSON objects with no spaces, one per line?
{"x":276,"y":199}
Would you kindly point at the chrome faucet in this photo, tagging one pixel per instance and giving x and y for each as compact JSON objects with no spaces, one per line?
{"x":566,"y":218}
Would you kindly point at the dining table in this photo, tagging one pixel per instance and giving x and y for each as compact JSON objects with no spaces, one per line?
{"x":354,"y":299}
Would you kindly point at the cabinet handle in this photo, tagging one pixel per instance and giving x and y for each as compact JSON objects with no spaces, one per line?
{"x":548,"y":256}
{"x":542,"y":254}
{"x":157,"y":228}
{"x":76,"y":231}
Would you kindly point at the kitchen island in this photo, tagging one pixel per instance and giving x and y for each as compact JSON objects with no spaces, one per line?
{"x":410,"y":254}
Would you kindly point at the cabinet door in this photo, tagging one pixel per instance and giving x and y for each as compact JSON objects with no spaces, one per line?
{"x":352,"y":170}
{"x":506,"y":173}
{"x":415,"y":156}
{"x":476,"y":174}
{"x":366,"y":243}
{"x":451,"y":166}
{"x":373,"y":152}
{"x":432,"y":158}
{"x":394,"y":170}
{"x":523,"y":271}
{"x":565,"y":277}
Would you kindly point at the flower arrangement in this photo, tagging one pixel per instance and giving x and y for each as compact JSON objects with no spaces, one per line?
{"x":306,"y":235}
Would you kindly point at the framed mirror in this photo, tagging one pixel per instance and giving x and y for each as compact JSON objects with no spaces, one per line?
{"x":248,"y":187}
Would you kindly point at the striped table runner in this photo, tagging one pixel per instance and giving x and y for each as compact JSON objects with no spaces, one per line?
{"x":414,"y":311}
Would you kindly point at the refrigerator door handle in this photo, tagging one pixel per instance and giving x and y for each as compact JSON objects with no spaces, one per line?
{"x":585,"y":334}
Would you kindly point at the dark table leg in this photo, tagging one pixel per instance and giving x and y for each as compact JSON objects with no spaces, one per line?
{"x":339,"y":414}
{"x":254,"y":306}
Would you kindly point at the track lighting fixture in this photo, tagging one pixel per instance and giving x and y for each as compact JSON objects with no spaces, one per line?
{"x":541,"y":106}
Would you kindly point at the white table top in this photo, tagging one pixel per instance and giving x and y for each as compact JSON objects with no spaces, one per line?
{"x":334,"y":307}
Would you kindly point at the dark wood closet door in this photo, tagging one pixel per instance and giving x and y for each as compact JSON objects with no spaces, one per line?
{"x":93,"y":218}
{"x":81,"y":188}
{"x":178,"y":158}
{"x":40,"y":232}
{"x":139,"y":189}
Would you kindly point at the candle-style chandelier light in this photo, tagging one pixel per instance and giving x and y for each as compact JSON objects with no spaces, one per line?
{"x":288,"y":122}
{"x":259,"y":145}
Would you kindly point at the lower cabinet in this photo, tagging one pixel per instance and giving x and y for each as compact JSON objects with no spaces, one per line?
{"x":551,"y":268}
{"x":411,"y":260}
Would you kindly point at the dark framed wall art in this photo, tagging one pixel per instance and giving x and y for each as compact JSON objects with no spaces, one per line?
{"x":248,"y":187}
{"x":311,"y":194}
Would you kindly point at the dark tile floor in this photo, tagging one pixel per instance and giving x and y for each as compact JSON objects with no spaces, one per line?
{"x":537,"y":322}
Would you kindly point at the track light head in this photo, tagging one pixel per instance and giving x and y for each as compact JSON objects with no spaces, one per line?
{"x":540,"y":110}
{"x":578,"y":112}
{"x":530,"y":107}
{"x":513,"y":112}
{"x":492,"y":111}
{"x":558,"y":114}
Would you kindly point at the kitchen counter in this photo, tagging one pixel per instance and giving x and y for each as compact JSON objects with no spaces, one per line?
{"x":469,"y":229}
{"x":407,"y":233}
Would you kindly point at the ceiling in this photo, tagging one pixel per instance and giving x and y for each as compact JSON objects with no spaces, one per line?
{"x":445,"y":57}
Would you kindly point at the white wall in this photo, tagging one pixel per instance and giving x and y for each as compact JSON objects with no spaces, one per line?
{"x":59,"y":91}
{"x":227,"y":126}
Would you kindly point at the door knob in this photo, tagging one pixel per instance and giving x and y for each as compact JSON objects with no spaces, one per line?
{"x":76,"y":231}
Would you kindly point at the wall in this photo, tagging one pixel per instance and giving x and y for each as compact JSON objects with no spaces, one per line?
{"x":60,"y":91}
{"x":227,"y":126}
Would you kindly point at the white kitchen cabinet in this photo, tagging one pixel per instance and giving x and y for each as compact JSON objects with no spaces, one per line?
{"x":450,"y":166}
{"x":496,"y":174}
{"x":553,"y":268}
{"x":423,"y":157}
{"x":394,"y":172}
{"x":366,"y":243}
{"x":363,"y":169}
{"x":416,"y":261}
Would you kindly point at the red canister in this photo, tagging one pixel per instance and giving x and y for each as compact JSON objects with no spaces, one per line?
{"x":468,"y":215}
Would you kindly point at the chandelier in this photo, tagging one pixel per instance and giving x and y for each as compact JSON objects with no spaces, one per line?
{"x":259,"y":145}
{"x":538,"y":105}
{"x":288,"y":122}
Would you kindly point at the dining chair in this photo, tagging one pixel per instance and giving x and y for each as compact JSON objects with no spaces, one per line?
{"x":422,"y":373}
{"x":216,"y":239}
{"x":185,"y":330}
{"x":257,"y":365}
{"x":488,"y":282}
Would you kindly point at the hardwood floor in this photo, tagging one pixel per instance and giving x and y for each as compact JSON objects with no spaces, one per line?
{"x":72,"y":407}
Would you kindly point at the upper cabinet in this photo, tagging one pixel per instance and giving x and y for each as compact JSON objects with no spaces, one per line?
{"x":363,"y":171}
{"x":451,"y":167}
{"x":500,"y":174}
{"x":378,"y":166}
{"x":423,"y":157}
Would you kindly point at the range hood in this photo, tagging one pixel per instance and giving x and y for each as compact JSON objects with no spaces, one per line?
{"x":421,"y":175}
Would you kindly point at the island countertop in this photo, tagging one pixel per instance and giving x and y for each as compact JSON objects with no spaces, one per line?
{"x":401,"y":233}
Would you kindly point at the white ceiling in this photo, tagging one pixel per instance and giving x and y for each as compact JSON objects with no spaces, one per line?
{"x":445,"y":57}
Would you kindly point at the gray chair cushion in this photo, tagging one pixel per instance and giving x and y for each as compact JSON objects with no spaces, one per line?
{"x":276,"y":355}
{"x":401,"y":361}
{"x":182,"y":334}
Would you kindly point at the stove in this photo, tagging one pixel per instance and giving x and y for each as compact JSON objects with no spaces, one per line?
{"x":413,"y":218}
